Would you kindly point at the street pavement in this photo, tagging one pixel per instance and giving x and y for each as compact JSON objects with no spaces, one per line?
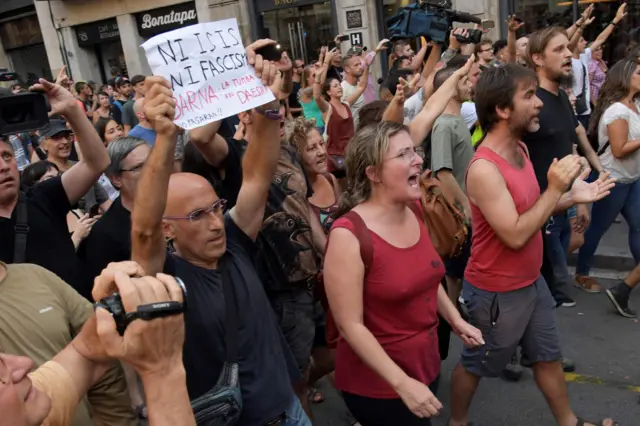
{"x":605,"y":346}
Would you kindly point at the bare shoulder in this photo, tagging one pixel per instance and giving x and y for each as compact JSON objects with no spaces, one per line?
{"x":481,"y":176}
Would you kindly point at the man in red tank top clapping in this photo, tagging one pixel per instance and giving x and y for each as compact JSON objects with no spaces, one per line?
{"x":507,"y":298}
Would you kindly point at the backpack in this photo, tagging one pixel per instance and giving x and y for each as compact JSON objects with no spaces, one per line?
{"x":118,"y":105}
{"x":444,"y":221}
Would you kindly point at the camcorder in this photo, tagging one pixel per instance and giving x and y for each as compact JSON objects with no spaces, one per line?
{"x":22,"y":112}
{"x":113,"y":305}
{"x":433,"y":19}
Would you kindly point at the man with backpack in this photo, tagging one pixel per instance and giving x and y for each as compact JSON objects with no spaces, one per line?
{"x":451,"y":153}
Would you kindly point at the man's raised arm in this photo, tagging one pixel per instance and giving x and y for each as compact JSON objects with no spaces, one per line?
{"x":148,"y":246}
{"x":261,"y":159}
{"x":95,"y":159}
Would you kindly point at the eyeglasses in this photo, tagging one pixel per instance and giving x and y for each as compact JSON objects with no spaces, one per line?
{"x":409,"y":153}
{"x":217,"y":208}
{"x":135,"y":169}
{"x":487,"y":50}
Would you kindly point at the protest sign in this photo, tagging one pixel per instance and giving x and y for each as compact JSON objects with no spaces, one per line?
{"x":208,"y":71}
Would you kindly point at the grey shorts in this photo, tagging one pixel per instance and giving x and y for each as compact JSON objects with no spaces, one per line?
{"x":295,"y":313}
{"x":523,"y":317}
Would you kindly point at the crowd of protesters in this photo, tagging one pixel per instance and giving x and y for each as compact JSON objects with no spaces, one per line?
{"x":301,"y":234}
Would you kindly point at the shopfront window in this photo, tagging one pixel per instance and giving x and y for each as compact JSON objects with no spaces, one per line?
{"x":301,"y":30}
{"x":543,"y":13}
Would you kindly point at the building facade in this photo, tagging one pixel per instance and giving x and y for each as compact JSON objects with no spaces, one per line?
{"x":100,"y":39}
{"x":22,"y":48}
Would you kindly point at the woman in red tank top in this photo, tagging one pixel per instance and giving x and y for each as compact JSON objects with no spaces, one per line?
{"x":387,"y":356}
{"x":336,"y":113}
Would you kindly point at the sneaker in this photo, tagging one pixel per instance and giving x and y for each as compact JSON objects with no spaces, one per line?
{"x":620,"y":302}
{"x":568,"y":365}
{"x":513,"y":370}
{"x":586,"y":283}
{"x":567,"y":303}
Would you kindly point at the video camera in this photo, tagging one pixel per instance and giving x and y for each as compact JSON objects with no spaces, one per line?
{"x":22,"y":112}
{"x":433,"y":19}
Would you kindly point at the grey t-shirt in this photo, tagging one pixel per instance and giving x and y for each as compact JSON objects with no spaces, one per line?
{"x":128,"y":116}
{"x":451,"y":146}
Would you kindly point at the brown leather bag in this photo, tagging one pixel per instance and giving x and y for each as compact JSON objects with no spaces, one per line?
{"x":444,"y":221}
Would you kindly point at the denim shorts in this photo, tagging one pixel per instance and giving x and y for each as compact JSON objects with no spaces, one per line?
{"x":295,"y":313}
{"x":523,"y":317}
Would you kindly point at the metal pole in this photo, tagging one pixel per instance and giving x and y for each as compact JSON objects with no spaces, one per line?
{"x":575,"y":10}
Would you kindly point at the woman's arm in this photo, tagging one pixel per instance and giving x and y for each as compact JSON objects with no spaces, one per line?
{"x":621,"y":146}
{"x":317,"y":88}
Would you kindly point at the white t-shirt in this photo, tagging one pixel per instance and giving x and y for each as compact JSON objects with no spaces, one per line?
{"x":469,"y":114}
{"x":627,"y":169}
{"x":581,"y":77}
{"x":413,"y":106}
{"x":347,"y":91}
{"x":104,"y":181}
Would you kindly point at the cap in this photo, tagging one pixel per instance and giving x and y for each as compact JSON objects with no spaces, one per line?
{"x":137,"y":79}
{"x":55,"y":127}
{"x":121,"y":81}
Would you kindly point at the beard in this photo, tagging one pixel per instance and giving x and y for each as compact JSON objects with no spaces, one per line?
{"x":564,"y":80}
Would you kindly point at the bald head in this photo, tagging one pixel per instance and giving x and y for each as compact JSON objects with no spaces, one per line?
{"x":138,"y":106}
{"x":188,"y":192}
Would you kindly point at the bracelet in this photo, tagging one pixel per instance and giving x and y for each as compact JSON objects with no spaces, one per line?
{"x":614,"y":23}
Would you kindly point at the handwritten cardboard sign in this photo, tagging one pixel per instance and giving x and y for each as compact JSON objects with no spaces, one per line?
{"x":208,"y":71}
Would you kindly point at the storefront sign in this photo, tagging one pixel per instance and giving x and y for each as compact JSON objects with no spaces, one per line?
{"x":266,"y":5}
{"x":208,"y":71}
{"x":97,"y":32}
{"x":356,"y":39}
{"x":158,"y":21}
{"x":354,"y":19}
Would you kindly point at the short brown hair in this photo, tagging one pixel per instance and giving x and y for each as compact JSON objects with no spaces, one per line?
{"x":496,"y":88}
{"x":483,"y":43}
{"x":538,"y":42}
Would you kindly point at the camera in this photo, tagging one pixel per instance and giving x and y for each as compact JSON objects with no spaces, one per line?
{"x":113,"y":304}
{"x":22,"y":112}
{"x":432,"y":19}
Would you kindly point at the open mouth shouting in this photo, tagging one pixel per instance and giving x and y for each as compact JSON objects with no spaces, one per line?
{"x":414,"y":180}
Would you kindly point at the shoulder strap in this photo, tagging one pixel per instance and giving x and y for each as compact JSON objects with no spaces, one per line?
{"x":584,"y":78}
{"x":364,"y":238}
{"x":21,"y":230}
{"x":603,"y":149}
{"x":231,"y":312}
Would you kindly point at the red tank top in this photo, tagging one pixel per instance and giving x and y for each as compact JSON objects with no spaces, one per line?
{"x":340,"y":130}
{"x":493,"y":266}
{"x":400,"y":303}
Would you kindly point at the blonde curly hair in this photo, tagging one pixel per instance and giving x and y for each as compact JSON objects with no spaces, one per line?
{"x":296,"y":132}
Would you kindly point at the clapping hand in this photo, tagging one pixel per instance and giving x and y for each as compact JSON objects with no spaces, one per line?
{"x":583,"y":192}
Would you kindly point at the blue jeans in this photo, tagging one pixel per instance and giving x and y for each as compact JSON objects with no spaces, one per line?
{"x":625,"y":199}
{"x":295,"y":415}
{"x":558,"y":236}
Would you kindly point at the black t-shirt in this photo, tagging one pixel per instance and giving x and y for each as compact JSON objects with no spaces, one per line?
{"x":265,"y":363}
{"x":109,"y":241}
{"x":556,"y":136}
{"x":335,"y":72}
{"x":232,"y":165}
{"x":228,"y":127}
{"x":48,"y":241}
{"x":293,"y":97}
